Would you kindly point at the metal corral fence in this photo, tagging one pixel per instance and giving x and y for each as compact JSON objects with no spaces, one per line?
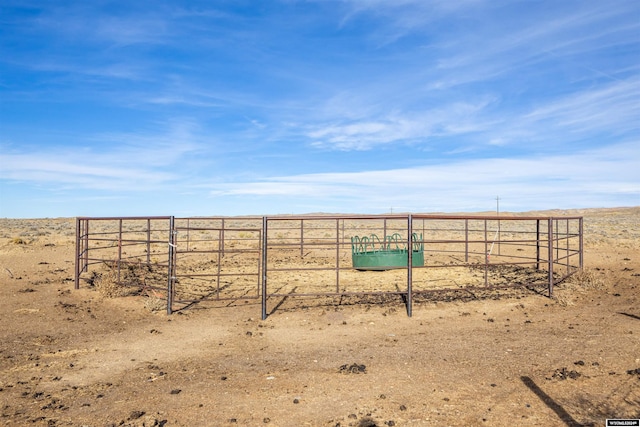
{"x":188,"y":260}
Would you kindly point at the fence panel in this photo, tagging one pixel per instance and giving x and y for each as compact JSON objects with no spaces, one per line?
{"x":130,"y":251}
{"x":189,"y":260}
{"x":216,"y":259}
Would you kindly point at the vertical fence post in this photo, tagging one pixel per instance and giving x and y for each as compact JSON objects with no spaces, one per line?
{"x":221,"y":244}
{"x":499,"y":234}
{"x":148,"y":241}
{"x":410,"y":266}
{"x":187,"y":235}
{"x":550,"y":249}
{"x":556,"y":223}
{"x":581,"y":244}
{"x":337,"y":255}
{"x":537,"y":244}
{"x":259,"y":275}
{"x":302,"y":238}
{"x":567,"y":237}
{"x":171,"y":265}
{"x":119,"y":248}
{"x":85,"y":267}
{"x":264,"y":267}
{"x":78,"y":254}
{"x":423,"y":235}
{"x":384,"y":227}
{"x":486,"y":256}
{"x":466,"y":240}
{"x":219,"y":260}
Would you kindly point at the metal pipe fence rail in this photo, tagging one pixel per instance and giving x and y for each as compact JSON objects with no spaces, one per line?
{"x":117,"y":243}
{"x":281,"y":257}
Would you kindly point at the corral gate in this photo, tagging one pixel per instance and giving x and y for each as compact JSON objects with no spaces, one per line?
{"x":188,"y":260}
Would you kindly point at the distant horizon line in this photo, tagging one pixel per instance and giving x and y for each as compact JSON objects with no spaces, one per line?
{"x":312,"y":214}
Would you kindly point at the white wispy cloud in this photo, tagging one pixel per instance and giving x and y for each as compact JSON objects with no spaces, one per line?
{"x":115,"y":162}
{"x":393,"y":126}
{"x":402,"y":17}
{"x":79,"y":171}
{"x":612,"y":107}
{"x":469,"y":184}
{"x":83,"y":22}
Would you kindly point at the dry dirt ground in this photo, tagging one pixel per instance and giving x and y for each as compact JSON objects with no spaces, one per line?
{"x":77,"y":358}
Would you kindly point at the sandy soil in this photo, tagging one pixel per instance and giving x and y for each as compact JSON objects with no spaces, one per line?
{"x":77,"y":358}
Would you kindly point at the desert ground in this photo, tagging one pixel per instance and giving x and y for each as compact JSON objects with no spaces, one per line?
{"x":502,"y":358}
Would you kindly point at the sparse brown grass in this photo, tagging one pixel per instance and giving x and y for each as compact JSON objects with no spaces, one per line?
{"x":107,"y":284}
{"x":154,"y":303}
{"x":588,"y":279}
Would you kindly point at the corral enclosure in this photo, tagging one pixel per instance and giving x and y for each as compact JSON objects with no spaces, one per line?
{"x":271,"y":258}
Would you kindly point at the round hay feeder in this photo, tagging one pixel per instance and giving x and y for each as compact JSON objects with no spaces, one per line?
{"x":371,"y":253}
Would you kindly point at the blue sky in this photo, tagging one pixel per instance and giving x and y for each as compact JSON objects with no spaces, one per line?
{"x":118,"y":108}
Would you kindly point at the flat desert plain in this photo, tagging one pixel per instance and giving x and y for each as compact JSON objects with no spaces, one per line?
{"x":83,"y":358}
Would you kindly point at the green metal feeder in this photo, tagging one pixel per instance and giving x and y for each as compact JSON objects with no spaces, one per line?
{"x":371,"y":253}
